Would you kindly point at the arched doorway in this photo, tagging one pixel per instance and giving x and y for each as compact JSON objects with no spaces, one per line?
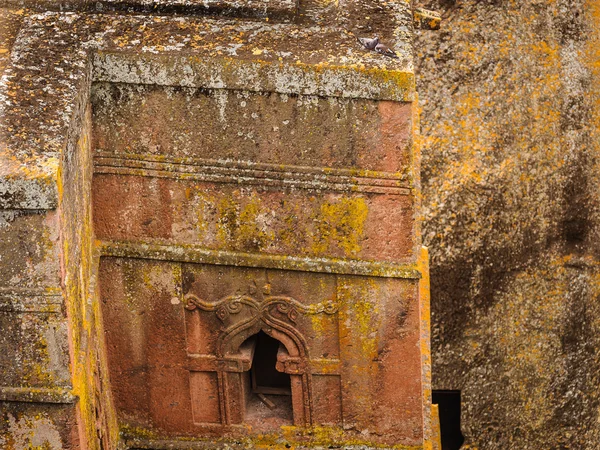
{"x":269,"y":402}
{"x":227,"y":372}
{"x":282,"y":347}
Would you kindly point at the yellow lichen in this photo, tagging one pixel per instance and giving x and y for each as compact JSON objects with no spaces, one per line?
{"x":340,"y":224}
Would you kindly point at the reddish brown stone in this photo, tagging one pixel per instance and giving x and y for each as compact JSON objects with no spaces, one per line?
{"x":210,"y":232}
{"x":184,"y":337}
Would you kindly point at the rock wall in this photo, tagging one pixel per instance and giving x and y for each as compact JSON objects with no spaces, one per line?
{"x":143,"y":137}
{"x":510,"y":121}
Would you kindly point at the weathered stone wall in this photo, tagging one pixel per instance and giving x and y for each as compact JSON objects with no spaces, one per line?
{"x":509,"y":96}
{"x":258,"y":182}
{"x":34,"y":361}
{"x":79,"y":261}
{"x":173,"y":136}
{"x":225,"y":182}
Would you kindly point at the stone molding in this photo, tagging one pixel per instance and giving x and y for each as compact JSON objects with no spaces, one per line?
{"x":376,"y":82}
{"x":23,"y":300}
{"x":284,"y":10}
{"x":36,"y":395}
{"x":195,"y":254}
{"x":250,"y":173}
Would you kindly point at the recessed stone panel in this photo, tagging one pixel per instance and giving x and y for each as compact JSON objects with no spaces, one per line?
{"x":175,"y":123}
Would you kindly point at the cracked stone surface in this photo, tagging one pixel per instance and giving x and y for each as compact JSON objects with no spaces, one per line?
{"x":509,"y":97}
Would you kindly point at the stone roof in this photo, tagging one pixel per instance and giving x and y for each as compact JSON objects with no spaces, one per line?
{"x":57,"y":55}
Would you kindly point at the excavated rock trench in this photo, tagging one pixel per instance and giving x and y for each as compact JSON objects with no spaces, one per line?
{"x":510,"y":121}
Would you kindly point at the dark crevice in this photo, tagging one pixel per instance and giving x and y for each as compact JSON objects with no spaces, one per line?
{"x":449,"y":409}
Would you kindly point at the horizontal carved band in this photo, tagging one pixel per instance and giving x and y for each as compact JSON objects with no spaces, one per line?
{"x":249,"y":173}
{"x":35,"y":291}
{"x":133,"y":440}
{"x":36,"y":395}
{"x":374,"y":82}
{"x":208,"y":363}
{"x":201,"y":255}
{"x":232,"y":304}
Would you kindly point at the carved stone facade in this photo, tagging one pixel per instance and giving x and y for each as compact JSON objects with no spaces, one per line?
{"x":228,"y":210}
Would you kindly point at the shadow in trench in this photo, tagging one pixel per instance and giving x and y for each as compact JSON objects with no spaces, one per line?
{"x":449,"y":407}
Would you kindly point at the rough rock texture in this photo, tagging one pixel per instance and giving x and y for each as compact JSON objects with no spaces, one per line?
{"x":10,"y":22}
{"x":77,"y":186}
{"x":509,"y":96}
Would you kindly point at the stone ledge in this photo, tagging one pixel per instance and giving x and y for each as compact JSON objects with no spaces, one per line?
{"x":354,"y":80}
{"x":18,"y":302}
{"x":20,"y":191}
{"x":273,"y":9}
{"x":36,"y":395}
{"x":201,"y":255}
{"x":139,"y":443}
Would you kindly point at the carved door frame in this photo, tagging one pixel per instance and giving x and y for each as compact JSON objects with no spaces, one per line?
{"x":275,"y":316}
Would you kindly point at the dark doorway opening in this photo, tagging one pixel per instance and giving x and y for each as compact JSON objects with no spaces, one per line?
{"x":266,"y":379}
{"x":449,"y":407}
{"x":269,"y":404}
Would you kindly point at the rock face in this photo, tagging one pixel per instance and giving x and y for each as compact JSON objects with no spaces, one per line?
{"x":210,"y":227}
{"x":510,"y":122}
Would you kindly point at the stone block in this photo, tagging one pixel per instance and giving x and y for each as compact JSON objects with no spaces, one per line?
{"x":226,"y":214}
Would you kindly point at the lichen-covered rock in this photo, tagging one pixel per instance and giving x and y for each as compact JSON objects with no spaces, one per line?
{"x":509,"y":96}
{"x":268,"y":160}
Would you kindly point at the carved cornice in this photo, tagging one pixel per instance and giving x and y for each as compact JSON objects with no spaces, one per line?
{"x":164,"y":251}
{"x":250,"y":173}
{"x":31,"y":300}
{"x":36,"y":395}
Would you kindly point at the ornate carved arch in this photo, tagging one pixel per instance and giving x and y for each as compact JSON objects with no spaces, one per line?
{"x":244,"y":316}
{"x":265,"y":313}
